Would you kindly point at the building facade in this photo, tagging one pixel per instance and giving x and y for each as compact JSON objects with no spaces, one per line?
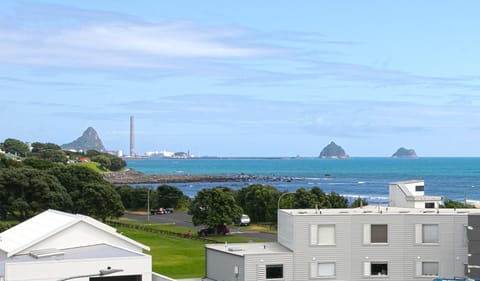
{"x":369,"y":243}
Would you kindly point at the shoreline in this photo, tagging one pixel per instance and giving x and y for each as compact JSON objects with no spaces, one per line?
{"x":131,"y":176}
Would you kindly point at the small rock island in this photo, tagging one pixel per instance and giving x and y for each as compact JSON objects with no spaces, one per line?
{"x":405,"y":153}
{"x":333,"y":151}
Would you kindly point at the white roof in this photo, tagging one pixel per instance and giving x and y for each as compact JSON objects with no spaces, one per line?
{"x":44,"y":225}
{"x":243,"y":249}
{"x":380,"y":210}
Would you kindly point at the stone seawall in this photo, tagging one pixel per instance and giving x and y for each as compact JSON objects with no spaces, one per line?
{"x":134,"y":177}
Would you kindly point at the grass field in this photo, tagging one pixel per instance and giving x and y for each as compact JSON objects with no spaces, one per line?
{"x":177,"y":257}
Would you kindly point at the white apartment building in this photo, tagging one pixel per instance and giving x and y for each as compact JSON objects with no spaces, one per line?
{"x":411,"y":240}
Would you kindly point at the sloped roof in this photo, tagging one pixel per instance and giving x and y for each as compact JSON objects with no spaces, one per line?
{"x":46,"y":224}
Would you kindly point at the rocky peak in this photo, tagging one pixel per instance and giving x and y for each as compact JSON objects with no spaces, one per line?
{"x":88,"y":141}
{"x":333,"y":151}
{"x":405,"y":153}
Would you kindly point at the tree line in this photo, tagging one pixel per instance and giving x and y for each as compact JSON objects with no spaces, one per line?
{"x":53,"y":153}
{"x":221,"y":204}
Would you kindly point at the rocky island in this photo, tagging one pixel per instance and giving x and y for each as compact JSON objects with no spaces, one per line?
{"x":333,"y":151}
{"x":405,"y":153}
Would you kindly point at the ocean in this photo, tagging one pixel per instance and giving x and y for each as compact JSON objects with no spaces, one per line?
{"x":451,"y":178}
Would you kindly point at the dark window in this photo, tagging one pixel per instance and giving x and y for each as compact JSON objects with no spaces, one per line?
{"x":379,"y":233}
{"x":378,"y":269}
{"x":118,"y":278}
{"x":274,"y":271}
{"x":430,"y":205}
{"x":419,"y":188}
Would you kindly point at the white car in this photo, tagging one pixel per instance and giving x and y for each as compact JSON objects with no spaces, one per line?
{"x":244,"y":220}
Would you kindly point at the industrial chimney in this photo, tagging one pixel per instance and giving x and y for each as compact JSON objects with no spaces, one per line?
{"x":132,"y":137}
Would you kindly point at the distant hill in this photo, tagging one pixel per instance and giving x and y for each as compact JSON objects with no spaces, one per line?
{"x":88,"y":141}
{"x":333,"y":151}
{"x":405,"y":153}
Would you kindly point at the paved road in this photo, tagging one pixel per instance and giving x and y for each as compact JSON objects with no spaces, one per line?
{"x":185,"y":220}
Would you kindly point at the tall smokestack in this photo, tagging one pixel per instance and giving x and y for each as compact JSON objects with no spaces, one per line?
{"x":132,"y":136}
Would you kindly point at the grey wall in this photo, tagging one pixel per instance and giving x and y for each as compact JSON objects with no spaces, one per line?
{"x":401,"y":253}
{"x":474,"y":244}
{"x":220,"y":266}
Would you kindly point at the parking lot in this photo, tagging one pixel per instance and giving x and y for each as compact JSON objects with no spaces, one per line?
{"x":185,"y":220}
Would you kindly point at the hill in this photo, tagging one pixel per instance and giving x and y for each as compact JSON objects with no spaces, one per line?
{"x":333,"y":151}
{"x":88,"y":141}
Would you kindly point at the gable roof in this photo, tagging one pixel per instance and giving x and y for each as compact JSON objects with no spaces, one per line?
{"x":46,"y":224}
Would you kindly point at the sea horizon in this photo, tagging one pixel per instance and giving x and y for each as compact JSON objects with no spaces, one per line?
{"x":366,"y":177}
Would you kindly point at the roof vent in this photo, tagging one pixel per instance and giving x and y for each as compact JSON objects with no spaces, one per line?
{"x":367,"y":211}
{"x":429,"y":211}
{"x":302,"y":212}
{"x":235,"y":249}
{"x":404,"y":212}
{"x":43,"y":253}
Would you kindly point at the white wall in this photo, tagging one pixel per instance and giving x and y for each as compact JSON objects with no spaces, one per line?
{"x":55,"y":270}
{"x":81,"y":234}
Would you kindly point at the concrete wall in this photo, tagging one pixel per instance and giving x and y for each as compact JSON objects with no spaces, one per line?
{"x":402,"y":253}
{"x":221,"y":266}
{"x":285,"y":233}
{"x":56,"y":270}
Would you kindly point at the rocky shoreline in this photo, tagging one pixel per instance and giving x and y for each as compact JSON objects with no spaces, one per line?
{"x":134,"y":177}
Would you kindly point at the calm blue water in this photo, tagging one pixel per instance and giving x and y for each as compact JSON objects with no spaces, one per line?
{"x":452,"y":178}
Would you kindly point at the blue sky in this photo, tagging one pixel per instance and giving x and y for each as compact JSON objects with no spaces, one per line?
{"x":244,"y":78}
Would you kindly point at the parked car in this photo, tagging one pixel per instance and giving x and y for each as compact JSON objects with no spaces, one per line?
{"x":210,"y":230}
{"x":161,"y":211}
{"x":244,"y":220}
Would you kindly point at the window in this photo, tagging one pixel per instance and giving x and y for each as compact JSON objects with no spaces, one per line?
{"x":429,"y":205}
{"x":430,"y":268}
{"x":419,"y":188}
{"x":322,"y":270}
{"x":375,"y":269}
{"x":375,"y":233}
{"x":426,"y":233}
{"x":322,"y":234}
{"x":274,"y":271}
{"x":427,"y":268}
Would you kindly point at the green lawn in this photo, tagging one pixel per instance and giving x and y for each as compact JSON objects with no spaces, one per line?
{"x":177,"y":257}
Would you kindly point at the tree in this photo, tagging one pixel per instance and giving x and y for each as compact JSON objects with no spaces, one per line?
{"x":448,"y":203}
{"x":101,"y":201}
{"x":335,"y":200}
{"x":304,"y":199}
{"x":168,"y":196}
{"x":25,"y":192}
{"x":103,"y":160}
{"x":320,"y":197}
{"x":259,"y":202}
{"x":359,"y":202}
{"x":214,"y":207}
{"x":117,"y":163}
{"x":81,"y":182}
{"x":9,"y":163}
{"x":38,"y":163}
{"x":16,"y":147}
{"x":133,"y":198}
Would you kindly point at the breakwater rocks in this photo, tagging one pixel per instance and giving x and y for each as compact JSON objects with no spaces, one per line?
{"x":134,"y":177}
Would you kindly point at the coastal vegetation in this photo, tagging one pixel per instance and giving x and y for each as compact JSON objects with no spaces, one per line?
{"x":42,"y":176}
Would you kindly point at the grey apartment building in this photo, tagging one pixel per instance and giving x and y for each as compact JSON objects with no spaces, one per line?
{"x":418,"y":242}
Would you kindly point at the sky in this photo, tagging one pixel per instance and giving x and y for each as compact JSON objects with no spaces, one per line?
{"x":244,"y":78}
